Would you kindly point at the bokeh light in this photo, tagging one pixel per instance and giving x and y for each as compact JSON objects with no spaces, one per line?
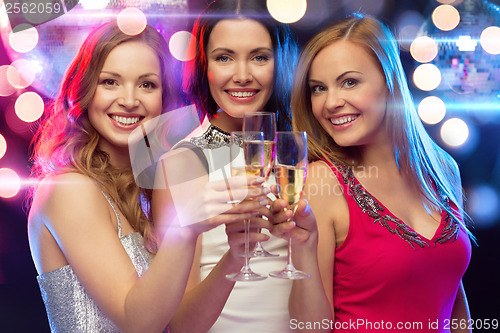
{"x":454,"y":132}
{"x":21,"y":74}
{"x":3,"y":146}
{"x":6,"y":89}
{"x":445,"y":17}
{"x":132,"y":21}
{"x":10,"y":183}
{"x":432,"y":110}
{"x":424,"y":49}
{"x":182,"y":46}
{"x":427,"y":77}
{"x":25,"y":40}
{"x":287,"y":11}
{"x":490,"y":40}
{"x":409,"y":23}
{"x":483,"y":201}
{"x":29,"y":107}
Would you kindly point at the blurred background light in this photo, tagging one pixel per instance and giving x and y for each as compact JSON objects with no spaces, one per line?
{"x":432,"y":110}
{"x":483,"y":202}
{"x":446,"y":17}
{"x":29,"y":107}
{"x":132,"y":21}
{"x":287,"y":11}
{"x":408,"y":23}
{"x":423,"y":49}
{"x":3,"y":146}
{"x":6,"y":89}
{"x":23,"y":41}
{"x":182,"y":46}
{"x":490,"y":40}
{"x":427,"y":77}
{"x":21,"y":73}
{"x":454,"y":132}
{"x":58,"y":40}
{"x":10,"y":183}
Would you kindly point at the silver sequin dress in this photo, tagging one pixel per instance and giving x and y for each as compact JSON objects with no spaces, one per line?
{"x":69,"y":306}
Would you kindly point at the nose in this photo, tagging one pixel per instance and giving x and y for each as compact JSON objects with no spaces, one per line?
{"x":334,"y":100}
{"x":128,"y":99}
{"x":242,"y":73}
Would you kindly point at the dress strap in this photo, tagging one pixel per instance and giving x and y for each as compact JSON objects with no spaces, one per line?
{"x":116,"y":212}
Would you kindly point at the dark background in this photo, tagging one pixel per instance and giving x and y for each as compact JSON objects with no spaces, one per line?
{"x":21,"y":308}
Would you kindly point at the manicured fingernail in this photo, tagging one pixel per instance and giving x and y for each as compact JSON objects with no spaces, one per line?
{"x":267,"y":190}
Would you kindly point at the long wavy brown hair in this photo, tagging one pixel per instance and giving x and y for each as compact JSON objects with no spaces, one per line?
{"x":65,"y":140}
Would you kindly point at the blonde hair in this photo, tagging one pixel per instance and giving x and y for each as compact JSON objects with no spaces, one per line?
{"x":66,"y":141}
{"x":434,"y":171}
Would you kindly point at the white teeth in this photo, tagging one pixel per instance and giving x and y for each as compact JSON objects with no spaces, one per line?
{"x":343,"y":120}
{"x":126,"y":120}
{"x":241,"y":93}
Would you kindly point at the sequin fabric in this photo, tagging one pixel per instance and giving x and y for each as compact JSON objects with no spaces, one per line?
{"x":369,"y":205}
{"x":212,"y":138}
{"x":69,"y":307}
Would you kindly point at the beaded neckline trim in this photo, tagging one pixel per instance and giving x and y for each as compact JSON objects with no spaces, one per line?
{"x":370,"y":206}
{"x":212,"y":138}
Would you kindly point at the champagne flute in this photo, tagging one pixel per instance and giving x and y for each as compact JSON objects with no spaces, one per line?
{"x":290,"y":172}
{"x":246,"y":161}
{"x":266,"y":123}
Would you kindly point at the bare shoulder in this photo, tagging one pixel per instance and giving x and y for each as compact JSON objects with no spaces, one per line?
{"x":327,"y":200}
{"x":322,"y":182}
{"x":59,"y":194}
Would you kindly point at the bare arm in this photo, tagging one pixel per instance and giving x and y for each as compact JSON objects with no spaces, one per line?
{"x":204,"y":300}
{"x":314,"y":241}
{"x":70,"y":223}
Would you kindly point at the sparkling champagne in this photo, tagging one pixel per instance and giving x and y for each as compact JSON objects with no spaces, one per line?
{"x":254,"y":157}
{"x":290,"y":182}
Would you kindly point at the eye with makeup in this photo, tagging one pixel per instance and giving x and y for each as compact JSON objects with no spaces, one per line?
{"x":262,"y":58}
{"x":222,"y":58}
{"x":349,"y":83}
{"x":317,"y":89}
{"x":107,"y":82}
{"x":149,"y":85}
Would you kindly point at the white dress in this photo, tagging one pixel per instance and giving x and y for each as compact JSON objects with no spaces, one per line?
{"x":257,"y":306}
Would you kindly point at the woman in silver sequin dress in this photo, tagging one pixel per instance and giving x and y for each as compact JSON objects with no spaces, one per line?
{"x":90,"y":240}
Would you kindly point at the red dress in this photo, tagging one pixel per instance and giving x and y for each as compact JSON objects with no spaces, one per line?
{"x":387,"y":277}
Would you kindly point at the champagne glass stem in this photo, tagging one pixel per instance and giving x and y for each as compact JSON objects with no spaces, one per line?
{"x":246,"y":268}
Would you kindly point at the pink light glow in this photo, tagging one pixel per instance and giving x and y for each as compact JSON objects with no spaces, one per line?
{"x":29,"y":107}
{"x":10,"y":183}
{"x":3,"y":146}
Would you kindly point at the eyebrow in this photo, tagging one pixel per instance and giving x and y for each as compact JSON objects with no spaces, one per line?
{"x":140,"y":77}
{"x":258,"y":49}
{"x":338,"y":77}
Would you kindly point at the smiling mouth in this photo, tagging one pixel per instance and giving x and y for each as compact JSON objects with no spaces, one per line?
{"x":242,"y":94}
{"x":343,"y":120}
{"x":126,"y":120}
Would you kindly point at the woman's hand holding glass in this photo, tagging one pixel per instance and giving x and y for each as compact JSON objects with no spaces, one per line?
{"x":247,"y":156}
{"x":290,"y":172}
{"x":264,"y":122}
